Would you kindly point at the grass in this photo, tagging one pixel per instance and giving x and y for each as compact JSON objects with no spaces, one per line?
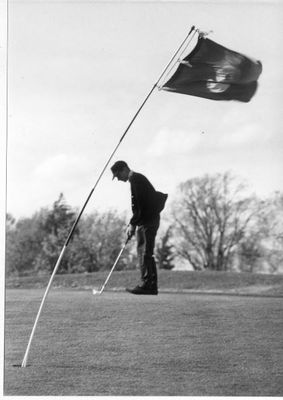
{"x":207,"y":281}
{"x":120,"y":344}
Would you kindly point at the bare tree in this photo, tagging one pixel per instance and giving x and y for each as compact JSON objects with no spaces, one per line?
{"x":211,"y":216}
{"x":263,"y":247}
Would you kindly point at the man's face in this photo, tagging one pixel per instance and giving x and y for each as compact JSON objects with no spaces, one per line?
{"x":122,"y":175}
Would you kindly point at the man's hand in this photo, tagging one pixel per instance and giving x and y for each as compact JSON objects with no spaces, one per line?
{"x":130,"y":231}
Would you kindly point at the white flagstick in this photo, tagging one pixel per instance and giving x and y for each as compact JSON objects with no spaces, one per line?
{"x":89,"y":196}
{"x":24,"y":363}
{"x":112,"y":269}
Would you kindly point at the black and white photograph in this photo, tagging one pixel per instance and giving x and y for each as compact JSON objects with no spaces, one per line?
{"x":142,"y":198}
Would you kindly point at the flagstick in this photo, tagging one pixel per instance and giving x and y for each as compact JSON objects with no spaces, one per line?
{"x":24,"y":363}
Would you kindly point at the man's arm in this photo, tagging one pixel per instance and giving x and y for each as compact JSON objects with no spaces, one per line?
{"x":137,"y":193}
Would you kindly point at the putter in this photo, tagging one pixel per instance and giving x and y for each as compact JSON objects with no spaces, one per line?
{"x":94,"y":291}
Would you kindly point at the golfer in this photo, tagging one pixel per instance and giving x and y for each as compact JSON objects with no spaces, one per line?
{"x":147,"y":204}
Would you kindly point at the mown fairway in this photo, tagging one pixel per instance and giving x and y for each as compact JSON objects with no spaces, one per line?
{"x":120,"y":344}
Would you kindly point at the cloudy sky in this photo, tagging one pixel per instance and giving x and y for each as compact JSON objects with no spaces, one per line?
{"x":79,"y":70}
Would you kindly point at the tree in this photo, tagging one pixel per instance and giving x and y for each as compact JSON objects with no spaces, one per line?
{"x":99,"y":242}
{"x":23,"y":243}
{"x":55,"y":226}
{"x":34,"y":244}
{"x":211,"y":217}
{"x":263,"y":246}
{"x":164,"y":252}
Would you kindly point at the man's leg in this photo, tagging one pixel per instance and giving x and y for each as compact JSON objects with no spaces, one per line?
{"x":149,"y":265}
{"x":145,"y":236}
{"x":140,"y":237}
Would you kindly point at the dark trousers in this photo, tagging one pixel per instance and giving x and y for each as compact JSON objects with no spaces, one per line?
{"x":145,"y":235}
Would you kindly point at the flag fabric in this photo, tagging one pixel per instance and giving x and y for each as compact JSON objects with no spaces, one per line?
{"x":215,"y":72}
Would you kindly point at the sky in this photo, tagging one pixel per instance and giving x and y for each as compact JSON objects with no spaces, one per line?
{"x":79,"y":70}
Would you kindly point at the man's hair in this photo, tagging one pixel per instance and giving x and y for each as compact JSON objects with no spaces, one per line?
{"x":118,"y":166}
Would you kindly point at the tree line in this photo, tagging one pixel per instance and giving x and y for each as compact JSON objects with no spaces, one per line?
{"x":210,"y":224}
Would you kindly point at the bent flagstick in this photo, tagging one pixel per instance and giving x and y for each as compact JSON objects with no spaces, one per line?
{"x":24,"y":363}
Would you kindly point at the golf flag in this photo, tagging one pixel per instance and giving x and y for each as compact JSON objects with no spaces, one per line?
{"x":215,"y":72}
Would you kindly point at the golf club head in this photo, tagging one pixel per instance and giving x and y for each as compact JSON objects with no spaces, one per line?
{"x":94,"y":291}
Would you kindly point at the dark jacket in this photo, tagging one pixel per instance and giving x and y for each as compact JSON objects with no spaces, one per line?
{"x":147,"y":203}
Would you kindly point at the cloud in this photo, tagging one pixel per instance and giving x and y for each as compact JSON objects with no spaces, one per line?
{"x":180,"y":142}
{"x":244,"y":135}
{"x":175,"y":142}
{"x":61,"y":166}
{"x":61,"y":173}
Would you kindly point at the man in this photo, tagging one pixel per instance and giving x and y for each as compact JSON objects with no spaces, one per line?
{"x":147,"y":204}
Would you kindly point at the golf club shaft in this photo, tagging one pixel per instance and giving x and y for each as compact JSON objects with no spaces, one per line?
{"x":112,"y":269}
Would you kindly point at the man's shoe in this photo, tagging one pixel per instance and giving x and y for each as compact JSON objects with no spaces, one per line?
{"x":142,"y":290}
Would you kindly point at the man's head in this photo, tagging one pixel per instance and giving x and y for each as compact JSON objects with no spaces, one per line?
{"x":120,"y":170}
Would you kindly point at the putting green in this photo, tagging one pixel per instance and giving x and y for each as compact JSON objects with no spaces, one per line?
{"x":120,"y":344}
